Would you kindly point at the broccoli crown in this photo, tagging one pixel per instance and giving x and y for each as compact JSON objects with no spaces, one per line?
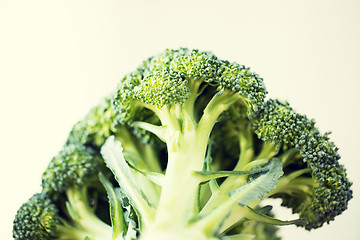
{"x":99,"y":124}
{"x":217,"y":149}
{"x":279,"y":124}
{"x":170,"y":78}
{"x":332,"y":190}
{"x":74,"y":166}
{"x":240,"y":79}
{"x":36,"y":219}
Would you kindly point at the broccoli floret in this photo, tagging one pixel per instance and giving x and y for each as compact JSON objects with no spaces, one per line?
{"x":71,"y":180}
{"x":36,"y":219}
{"x":195,"y":148}
{"x":179,"y":96}
{"x":74,"y":167}
{"x":84,"y":203}
{"x":40,"y":219}
{"x":189,"y":99}
{"x":315,"y":184}
{"x":99,"y":124}
{"x":102,"y":122}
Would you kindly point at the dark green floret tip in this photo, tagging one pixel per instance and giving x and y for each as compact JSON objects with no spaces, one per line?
{"x":99,"y":124}
{"x":75,"y":165}
{"x":330,"y":192}
{"x":36,"y":219}
{"x":279,"y":124}
{"x":240,"y":79}
{"x":195,"y":65}
{"x":174,"y":76}
{"x":162,"y":88}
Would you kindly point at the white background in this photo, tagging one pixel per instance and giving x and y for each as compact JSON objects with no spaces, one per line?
{"x":59,"y":58}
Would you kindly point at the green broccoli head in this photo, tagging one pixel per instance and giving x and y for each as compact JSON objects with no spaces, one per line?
{"x":195,"y":149}
{"x":179,"y":76}
{"x":203,"y":107}
{"x":40,"y":218}
{"x":99,"y":124}
{"x":74,"y":167}
{"x":71,"y":180}
{"x":322,"y":192}
{"x":79,"y":198}
{"x":37,"y":219}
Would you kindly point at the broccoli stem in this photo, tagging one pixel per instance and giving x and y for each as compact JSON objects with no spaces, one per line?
{"x":66,"y":231}
{"x":246,"y":155}
{"x":293,"y":183}
{"x":152,"y":159}
{"x":186,"y":152}
{"x":146,"y":155}
{"x":245,"y":160}
{"x":246,"y":148}
{"x":189,"y":104}
{"x":175,"y":234}
{"x":268,"y":150}
{"x":180,"y":186}
{"x":83,"y":215}
{"x":186,"y":143}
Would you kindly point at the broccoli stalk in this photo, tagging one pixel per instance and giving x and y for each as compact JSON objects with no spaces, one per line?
{"x":195,"y":149}
{"x":71,"y":205}
{"x":181,"y":96}
{"x":69,"y":180}
{"x":171,"y":91}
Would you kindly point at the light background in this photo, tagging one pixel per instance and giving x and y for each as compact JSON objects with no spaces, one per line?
{"x":59,"y":58}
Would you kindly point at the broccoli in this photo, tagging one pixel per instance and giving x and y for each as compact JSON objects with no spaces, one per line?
{"x":74,"y":202}
{"x":71,"y":179}
{"x":36,"y":219}
{"x":79,"y":198}
{"x":64,"y":209}
{"x":188,"y":147}
{"x":39,"y":218}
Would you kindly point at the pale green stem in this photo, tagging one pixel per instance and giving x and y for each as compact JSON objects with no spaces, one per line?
{"x":126,"y":140}
{"x":221,"y":217}
{"x":137,"y":155}
{"x":150,"y":189}
{"x":217,"y":105}
{"x":168,"y":120}
{"x":294,"y":183}
{"x":189,"y":104}
{"x":84,"y":215}
{"x":268,"y":150}
{"x":151,"y":158}
{"x":289,"y":155}
{"x":291,"y":182}
{"x":254,"y":164}
{"x":237,"y":213}
{"x":65,"y":231}
{"x":233,"y":182}
{"x":246,"y":148}
{"x":186,"y":151}
{"x":144,"y":157}
{"x":159,"y":131}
